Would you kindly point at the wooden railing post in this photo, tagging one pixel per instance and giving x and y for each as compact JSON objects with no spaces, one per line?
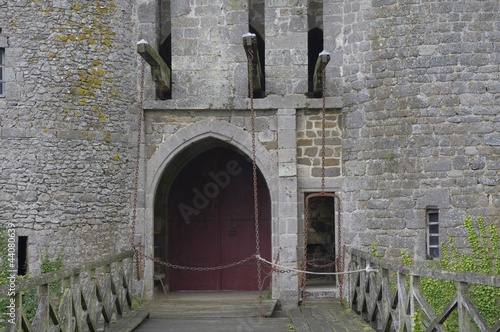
{"x":77,"y":302}
{"x":464,"y":322}
{"x":41,"y":320}
{"x":89,"y":298}
{"x":393,"y":311}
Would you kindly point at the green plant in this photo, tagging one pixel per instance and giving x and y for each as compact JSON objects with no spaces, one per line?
{"x":51,"y":265}
{"x":482,"y":258}
{"x":406,"y":258}
{"x":374,"y":251}
{"x":416,"y":320}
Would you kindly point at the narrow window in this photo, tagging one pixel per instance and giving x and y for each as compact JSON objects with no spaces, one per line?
{"x":22,"y":255}
{"x":432,"y":233}
{"x":2,"y":72}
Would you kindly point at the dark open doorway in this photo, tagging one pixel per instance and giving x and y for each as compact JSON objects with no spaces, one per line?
{"x":208,"y":220}
{"x":321,"y":240}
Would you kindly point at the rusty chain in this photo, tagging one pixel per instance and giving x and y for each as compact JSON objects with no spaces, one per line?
{"x":136,"y":176}
{"x":303,"y":266}
{"x":323,"y":266}
{"x":254,"y":178}
{"x":323,"y":128}
{"x":339,"y":261}
{"x":196,"y":268}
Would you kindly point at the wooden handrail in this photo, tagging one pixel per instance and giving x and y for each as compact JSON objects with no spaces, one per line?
{"x":47,"y":278}
{"x":424,"y":271}
{"x":388,"y":300}
{"x":91,"y":296}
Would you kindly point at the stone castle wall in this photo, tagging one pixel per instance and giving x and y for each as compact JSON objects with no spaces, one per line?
{"x":66,"y":123}
{"x":422,"y":118}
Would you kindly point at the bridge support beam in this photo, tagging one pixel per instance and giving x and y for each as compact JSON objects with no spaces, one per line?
{"x":250,"y":45}
{"x":159,"y":69}
{"x":321,"y":62}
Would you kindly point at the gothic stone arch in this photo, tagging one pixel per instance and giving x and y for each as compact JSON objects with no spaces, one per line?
{"x":174,"y":145}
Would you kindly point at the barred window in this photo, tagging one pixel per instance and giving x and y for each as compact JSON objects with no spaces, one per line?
{"x":2,"y":72}
{"x":433,"y":233}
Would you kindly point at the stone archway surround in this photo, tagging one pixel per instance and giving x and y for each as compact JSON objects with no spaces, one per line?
{"x":175,"y":144}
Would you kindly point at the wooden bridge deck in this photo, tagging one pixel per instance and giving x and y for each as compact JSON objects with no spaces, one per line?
{"x":239,"y":311}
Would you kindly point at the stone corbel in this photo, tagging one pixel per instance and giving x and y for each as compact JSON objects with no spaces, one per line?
{"x":159,"y":69}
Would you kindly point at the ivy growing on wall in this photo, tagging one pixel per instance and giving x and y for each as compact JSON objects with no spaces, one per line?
{"x":483,"y":257}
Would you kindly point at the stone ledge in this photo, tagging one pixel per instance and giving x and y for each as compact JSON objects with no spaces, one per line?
{"x":270,"y":102}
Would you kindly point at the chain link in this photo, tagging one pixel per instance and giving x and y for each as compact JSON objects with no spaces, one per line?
{"x":303,"y":266}
{"x":322,"y":266}
{"x":323,"y":128}
{"x":339,"y":261}
{"x":136,"y":176}
{"x":254,"y":176}
{"x":195,"y":268}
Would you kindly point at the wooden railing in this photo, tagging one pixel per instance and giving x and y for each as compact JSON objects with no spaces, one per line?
{"x":85,"y":298}
{"x":392,"y":298}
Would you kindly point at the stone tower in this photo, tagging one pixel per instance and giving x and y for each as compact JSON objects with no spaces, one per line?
{"x":412,"y":128}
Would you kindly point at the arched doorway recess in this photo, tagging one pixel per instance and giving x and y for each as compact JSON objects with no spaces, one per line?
{"x":205,"y":218}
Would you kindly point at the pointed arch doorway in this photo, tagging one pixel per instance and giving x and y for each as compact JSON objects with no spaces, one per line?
{"x":210,"y":222}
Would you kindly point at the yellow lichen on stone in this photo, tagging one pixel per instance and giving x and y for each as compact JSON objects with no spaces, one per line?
{"x":80,"y":91}
{"x":114,"y":92}
{"x":63,"y":38}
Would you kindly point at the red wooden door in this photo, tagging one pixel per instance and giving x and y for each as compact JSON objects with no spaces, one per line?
{"x":211,"y":222}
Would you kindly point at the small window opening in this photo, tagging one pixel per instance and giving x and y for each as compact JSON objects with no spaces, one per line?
{"x":2,"y":72}
{"x":314,"y":47}
{"x":22,"y":255}
{"x":432,"y":233}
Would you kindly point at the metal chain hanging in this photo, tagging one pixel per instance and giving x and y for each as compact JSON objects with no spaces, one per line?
{"x":338,"y":262}
{"x":136,"y":177}
{"x":323,"y":126}
{"x":254,"y":178}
